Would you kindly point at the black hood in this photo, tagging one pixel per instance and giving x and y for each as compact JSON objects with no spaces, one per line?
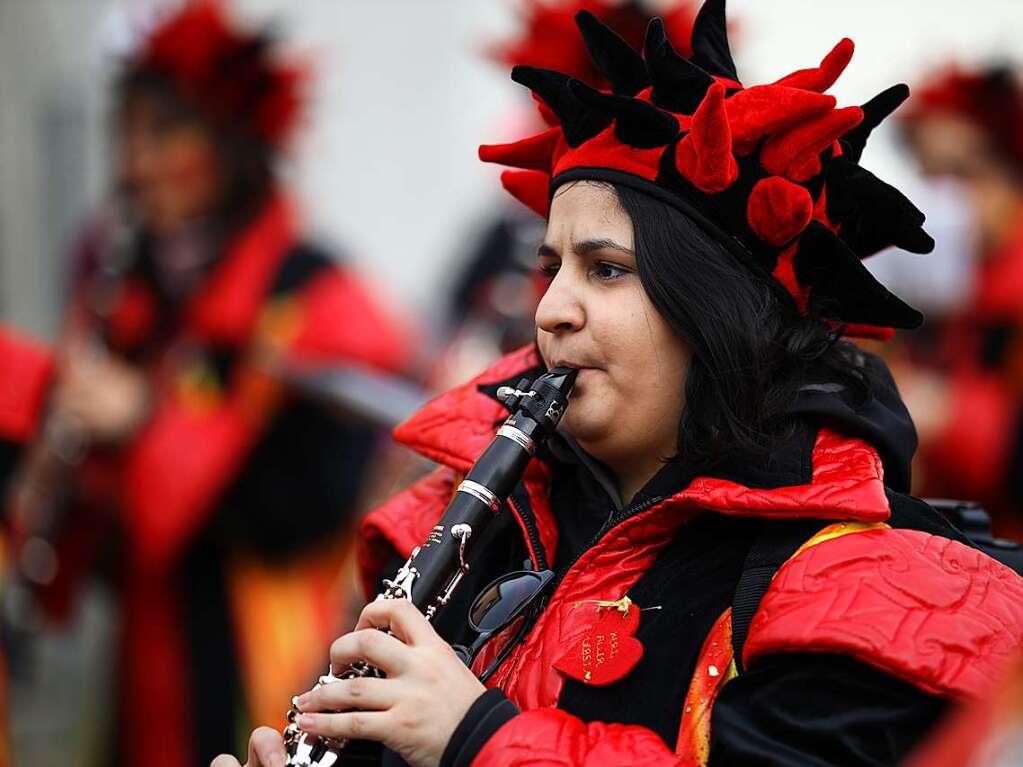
{"x":880,"y":418}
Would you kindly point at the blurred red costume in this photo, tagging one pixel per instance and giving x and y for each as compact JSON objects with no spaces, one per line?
{"x":228,"y":496}
{"x":978,"y":453}
{"x":214,"y":447}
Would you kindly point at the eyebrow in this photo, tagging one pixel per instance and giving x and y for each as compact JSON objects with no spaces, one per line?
{"x":585,"y":247}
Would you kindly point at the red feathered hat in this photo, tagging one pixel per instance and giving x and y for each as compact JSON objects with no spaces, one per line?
{"x":549,"y":37}
{"x":991,"y":99}
{"x":771,"y":171}
{"x":229,"y":76}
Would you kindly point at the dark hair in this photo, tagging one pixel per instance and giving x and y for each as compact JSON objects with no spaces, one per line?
{"x":246,"y":161}
{"x":751,"y":347}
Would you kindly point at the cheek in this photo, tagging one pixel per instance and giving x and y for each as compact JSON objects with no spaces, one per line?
{"x":647,"y":367}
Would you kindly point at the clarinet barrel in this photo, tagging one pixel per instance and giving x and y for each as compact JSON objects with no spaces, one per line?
{"x":436,"y":567}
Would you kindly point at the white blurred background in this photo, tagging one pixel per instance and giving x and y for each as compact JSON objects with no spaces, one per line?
{"x":387,"y":167}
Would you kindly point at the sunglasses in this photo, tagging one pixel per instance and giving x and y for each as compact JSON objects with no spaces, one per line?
{"x":498,"y":606}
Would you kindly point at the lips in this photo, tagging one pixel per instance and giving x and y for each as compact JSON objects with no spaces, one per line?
{"x":580,"y":366}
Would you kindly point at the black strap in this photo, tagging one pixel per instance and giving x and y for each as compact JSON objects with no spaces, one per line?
{"x":772,"y":547}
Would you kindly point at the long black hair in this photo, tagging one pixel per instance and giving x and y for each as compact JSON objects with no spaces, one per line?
{"x":751,"y":347}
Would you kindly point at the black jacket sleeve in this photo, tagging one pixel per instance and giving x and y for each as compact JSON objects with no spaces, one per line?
{"x":817,"y":710}
{"x":486,"y":716}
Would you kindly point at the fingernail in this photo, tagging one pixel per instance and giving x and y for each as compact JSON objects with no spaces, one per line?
{"x":306,"y":721}
{"x":301,"y":700}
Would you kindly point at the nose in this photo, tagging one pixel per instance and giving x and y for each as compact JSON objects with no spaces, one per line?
{"x":561,"y":309}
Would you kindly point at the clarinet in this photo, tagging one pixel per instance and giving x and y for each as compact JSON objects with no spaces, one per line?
{"x":436,"y":567}
{"x":41,"y":491}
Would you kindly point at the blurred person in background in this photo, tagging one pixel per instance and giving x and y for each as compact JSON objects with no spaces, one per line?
{"x":494,"y":295}
{"x":966,"y":129}
{"x":167,"y":453}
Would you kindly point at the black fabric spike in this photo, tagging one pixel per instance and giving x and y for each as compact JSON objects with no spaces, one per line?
{"x":638,"y":123}
{"x":579,"y":122}
{"x":841,"y":287}
{"x":873,"y":215}
{"x":618,"y":61}
{"x":874,"y":113}
{"x":710,"y":41}
{"x":679,"y":85}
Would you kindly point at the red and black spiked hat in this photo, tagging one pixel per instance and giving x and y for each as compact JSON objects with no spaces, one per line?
{"x":228,"y":75}
{"x":771,"y":171}
{"x":549,"y":37}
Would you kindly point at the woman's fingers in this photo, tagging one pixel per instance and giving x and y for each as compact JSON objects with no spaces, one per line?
{"x":366,"y":693}
{"x":401,"y":618}
{"x":353,"y":725}
{"x":375,"y":647}
{"x":266,"y":749}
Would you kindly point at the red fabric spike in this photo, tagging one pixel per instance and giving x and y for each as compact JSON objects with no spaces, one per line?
{"x":530,"y":187}
{"x":820,"y":210}
{"x":606,"y":151}
{"x":821,"y":78}
{"x":546,"y":113}
{"x":874,"y":332}
{"x":533,"y":153}
{"x":705,"y":155}
{"x":778,"y":210}
{"x":765,"y":109}
{"x":805,"y":168}
{"x":789,"y":152}
{"x":785,"y":273}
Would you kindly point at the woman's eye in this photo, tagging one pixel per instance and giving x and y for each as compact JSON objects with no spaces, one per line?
{"x":548,"y":270}
{"x":605,"y":271}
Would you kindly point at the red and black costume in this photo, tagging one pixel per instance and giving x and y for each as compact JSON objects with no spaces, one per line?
{"x":978,"y":453}
{"x":210,"y":487}
{"x":856,"y":646}
{"x":663,"y":638}
{"x":232,"y":474}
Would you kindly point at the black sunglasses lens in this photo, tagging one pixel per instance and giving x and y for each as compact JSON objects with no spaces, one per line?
{"x":499,"y":604}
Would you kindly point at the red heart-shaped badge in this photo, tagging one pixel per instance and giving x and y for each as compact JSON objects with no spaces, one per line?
{"x":607,"y":651}
{"x":601,"y":657}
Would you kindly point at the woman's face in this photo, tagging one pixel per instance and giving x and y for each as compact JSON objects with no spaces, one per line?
{"x":169,"y":168}
{"x":596,"y":316}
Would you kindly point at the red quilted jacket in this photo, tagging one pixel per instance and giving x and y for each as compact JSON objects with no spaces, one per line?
{"x":925,"y":609}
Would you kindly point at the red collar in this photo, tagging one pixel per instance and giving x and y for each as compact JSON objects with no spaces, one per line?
{"x":847,"y":483}
{"x":225,"y":308}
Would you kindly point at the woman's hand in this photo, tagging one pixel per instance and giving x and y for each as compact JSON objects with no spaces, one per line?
{"x":415,"y":710}
{"x":266,"y":749}
{"x":106,"y":397}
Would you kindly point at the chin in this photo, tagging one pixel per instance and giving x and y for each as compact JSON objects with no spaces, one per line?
{"x":584,"y":427}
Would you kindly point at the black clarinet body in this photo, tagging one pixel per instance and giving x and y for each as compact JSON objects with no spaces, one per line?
{"x":437,"y":566}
